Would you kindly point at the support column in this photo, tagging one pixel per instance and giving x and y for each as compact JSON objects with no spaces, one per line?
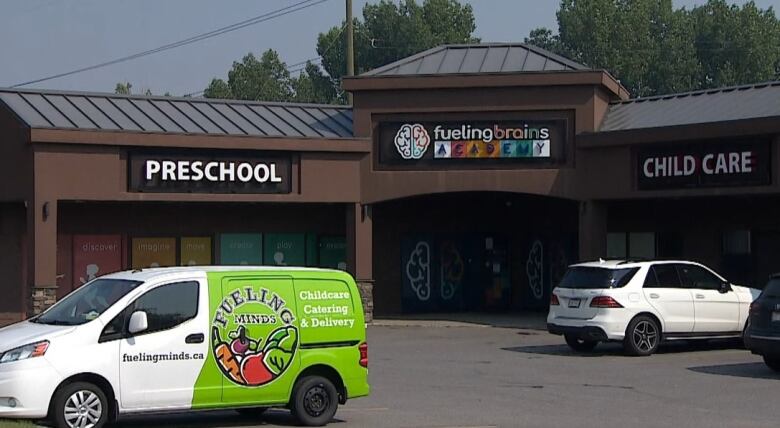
{"x":41,"y":248}
{"x":360,"y":253}
{"x":593,"y":230}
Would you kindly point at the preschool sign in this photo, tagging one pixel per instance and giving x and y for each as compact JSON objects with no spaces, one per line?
{"x":474,"y":144}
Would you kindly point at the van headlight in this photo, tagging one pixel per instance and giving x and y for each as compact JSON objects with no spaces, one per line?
{"x":32,"y":350}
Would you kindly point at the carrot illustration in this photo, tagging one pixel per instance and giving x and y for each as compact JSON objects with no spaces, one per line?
{"x":225,"y":357}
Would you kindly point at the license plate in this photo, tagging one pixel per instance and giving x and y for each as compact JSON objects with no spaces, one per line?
{"x":775,"y":316}
{"x":574,"y":303}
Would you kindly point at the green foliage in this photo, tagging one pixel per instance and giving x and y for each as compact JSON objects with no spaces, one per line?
{"x":391,"y":31}
{"x":268,"y":79}
{"x":388,"y":32}
{"x":654,"y":49}
{"x":123,"y":88}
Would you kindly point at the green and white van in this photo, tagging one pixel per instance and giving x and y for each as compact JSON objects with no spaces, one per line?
{"x":195,"y":338}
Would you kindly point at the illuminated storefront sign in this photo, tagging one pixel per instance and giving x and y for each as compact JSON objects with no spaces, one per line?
{"x":209,"y":173}
{"x":471,"y":144}
{"x":704,"y":165}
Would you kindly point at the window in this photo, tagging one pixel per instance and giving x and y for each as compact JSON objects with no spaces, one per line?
{"x":87,"y":303}
{"x":665,"y":276}
{"x":736,"y":242}
{"x":169,"y":305}
{"x":166,"y":307}
{"x":697,"y":277}
{"x":650,"y":279}
{"x":622,"y":245}
{"x":593,"y":277}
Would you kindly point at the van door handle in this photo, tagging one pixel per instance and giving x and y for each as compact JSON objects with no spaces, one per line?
{"x":654,"y":296}
{"x":699,"y":296}
{"x":195,"y":338}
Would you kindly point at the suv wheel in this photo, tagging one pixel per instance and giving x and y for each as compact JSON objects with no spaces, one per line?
{"x":580,"y":345}
{"x":772,"y":362}
{"x":80,"y":404}
{"x":643,"y":336}
{"x":315,"y":401}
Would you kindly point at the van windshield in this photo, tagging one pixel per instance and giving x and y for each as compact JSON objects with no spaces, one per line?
{"x":595,"y":277}
{"x":87,"y":303}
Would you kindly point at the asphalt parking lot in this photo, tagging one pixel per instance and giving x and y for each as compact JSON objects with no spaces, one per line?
{"x":503,"y":377}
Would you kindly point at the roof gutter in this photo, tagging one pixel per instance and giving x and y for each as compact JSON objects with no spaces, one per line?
{"x":487,"y":80}
{"x":156,"y":139}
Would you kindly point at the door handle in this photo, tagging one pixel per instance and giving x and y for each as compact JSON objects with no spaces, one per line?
{"x":699,"y":296}
{"x":195,"y":338}
{"x":654,"y":296}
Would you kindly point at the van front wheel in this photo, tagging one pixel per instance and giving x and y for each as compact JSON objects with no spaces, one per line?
{"x":315,"y":401}
{"x":80,"y":404}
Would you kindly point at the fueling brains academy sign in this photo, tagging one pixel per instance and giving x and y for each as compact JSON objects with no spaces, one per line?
{"x":472,"y":143}
{"x":188,"y":173}
{"x":704,"y":165}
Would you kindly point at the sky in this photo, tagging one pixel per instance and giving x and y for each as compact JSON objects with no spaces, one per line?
{"x":45,"y":37}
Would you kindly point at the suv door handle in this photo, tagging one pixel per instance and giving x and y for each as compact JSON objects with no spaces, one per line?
{"x":699,"y":296}
{"x":195,"y":338}
{"x":654,"y":296}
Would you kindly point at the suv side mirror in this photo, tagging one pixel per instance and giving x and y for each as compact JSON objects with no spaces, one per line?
{"x":138,"y":322}
{"x":725,"y":287}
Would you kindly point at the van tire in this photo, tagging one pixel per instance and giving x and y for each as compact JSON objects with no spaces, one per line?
{"x":89,"y":392}
{"x":315,"y":401}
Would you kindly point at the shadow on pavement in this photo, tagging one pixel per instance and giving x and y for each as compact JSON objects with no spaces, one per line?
{"x":616,"y":349}
{"x":221,"y":419}
{"x":749,"y":370}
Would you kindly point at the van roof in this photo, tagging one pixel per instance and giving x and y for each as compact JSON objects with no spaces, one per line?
{"x":149,"y":273}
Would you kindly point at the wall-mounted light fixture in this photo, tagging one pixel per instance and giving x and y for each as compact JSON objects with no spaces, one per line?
{"x":364,"y":211}
{"x":45,"y":210}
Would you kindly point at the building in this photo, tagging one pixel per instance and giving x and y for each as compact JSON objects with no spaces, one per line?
{"x":466,"y":177}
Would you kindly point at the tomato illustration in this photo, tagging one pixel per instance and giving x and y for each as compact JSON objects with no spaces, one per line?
{"x":254,"y":371}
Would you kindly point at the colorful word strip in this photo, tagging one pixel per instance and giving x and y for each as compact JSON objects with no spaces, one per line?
{"x":492,"y":149}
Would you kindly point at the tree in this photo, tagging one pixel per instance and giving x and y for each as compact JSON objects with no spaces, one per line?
{"x":391,"y":31}
{"x":252,"y":79}
{"x":126,"y":87}
{"x":654,"y":49}
{"x":387,"y":33}
{"x":313,"y":86}
{"x":123,"y":88}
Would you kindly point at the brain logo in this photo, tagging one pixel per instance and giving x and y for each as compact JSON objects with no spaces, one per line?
{"x":412,"y":141}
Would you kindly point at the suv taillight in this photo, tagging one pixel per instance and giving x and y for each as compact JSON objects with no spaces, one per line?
{"x":363,"y":354}
{"x":754,"y":307}
{"x":604,"y":302}
{"x":554,"y":300}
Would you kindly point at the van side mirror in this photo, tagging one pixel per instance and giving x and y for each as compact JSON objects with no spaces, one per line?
{"x":138,"y":322}
{"x":725,"y":287}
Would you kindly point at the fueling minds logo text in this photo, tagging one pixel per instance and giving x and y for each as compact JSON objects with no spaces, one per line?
{"x":412,"y":141}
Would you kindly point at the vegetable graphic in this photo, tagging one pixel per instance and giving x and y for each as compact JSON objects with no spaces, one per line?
{"x":225,"y":358}
{"x":279,"y":349}
{"x":241,"y":343}
{"x":254,"y":371}
{"x":245,"y":364}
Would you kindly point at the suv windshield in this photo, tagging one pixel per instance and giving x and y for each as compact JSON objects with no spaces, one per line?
{"x":87,"y":303}
{"x":596,"y":277}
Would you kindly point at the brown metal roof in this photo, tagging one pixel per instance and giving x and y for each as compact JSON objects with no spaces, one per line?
{"x":103,"y":111}
{"x":690,"y":108}
{"x":478,"y":58}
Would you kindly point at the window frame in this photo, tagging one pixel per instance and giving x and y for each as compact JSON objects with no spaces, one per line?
{"x":673,"y":266}
{"x":126,"y":312}
{"x":680,"y":266}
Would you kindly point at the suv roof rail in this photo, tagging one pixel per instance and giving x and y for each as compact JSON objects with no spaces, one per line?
{"x":636,"y":260}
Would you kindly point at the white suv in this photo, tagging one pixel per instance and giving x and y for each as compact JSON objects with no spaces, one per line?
{"x":643,"y":303}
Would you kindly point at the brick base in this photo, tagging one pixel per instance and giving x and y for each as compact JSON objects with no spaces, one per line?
{"x":42,"y":298}
{"x":367,"y":295}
